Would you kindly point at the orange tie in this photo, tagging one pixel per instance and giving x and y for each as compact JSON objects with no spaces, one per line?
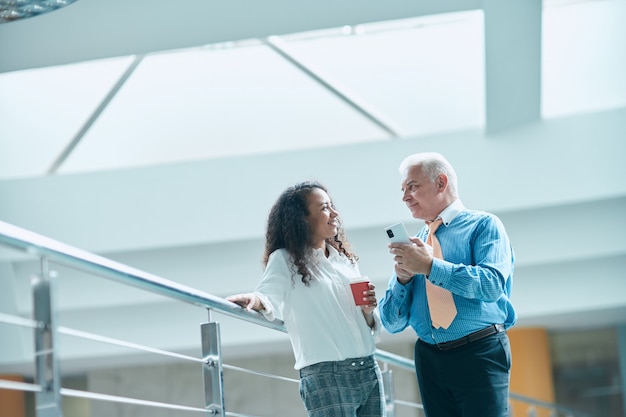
{"x":440,"y":301}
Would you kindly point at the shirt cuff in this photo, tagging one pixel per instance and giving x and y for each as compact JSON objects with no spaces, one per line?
{"x":440,"y":273}
{"x":401,"y":289}
{"x":268,"y":309}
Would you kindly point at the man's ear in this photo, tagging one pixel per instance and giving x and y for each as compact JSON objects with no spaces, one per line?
{"x":442,"y":182}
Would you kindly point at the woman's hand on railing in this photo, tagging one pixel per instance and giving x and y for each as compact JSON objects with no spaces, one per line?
{"x":249,"y":301}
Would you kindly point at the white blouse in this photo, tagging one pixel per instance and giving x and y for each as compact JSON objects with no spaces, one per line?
{"x":322,"y":320}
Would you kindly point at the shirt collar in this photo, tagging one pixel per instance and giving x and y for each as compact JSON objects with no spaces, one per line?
{"x":450,"y":212}
{"x":319,"y":252}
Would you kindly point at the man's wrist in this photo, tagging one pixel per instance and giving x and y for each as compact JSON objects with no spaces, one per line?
{"x":404,"y":280}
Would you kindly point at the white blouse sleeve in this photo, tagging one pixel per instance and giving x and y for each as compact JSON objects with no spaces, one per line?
{"x":274,"y":284}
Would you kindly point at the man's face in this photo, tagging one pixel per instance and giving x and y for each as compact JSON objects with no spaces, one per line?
{"x":421,"y":196}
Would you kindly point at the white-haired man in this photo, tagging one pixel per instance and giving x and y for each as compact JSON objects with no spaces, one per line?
{"x":455,"y":293}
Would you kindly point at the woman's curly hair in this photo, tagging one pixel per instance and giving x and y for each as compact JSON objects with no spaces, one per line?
{"x":288,"y":228}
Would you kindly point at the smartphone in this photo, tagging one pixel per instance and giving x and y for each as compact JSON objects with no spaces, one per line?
{"x":397,"y":233}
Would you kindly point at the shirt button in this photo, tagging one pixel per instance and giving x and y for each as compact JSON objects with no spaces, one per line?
{"x":362,"y":362}
{"x":353,"y":363}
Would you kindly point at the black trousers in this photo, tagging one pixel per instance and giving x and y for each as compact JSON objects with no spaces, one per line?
{"x":469,"y":381}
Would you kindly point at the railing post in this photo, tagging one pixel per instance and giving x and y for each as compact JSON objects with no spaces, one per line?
{"x":47,"y":373}
{"x":390,"y":399}
{"x":212,"y":368}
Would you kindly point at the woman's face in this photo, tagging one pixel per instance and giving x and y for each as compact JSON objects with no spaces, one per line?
{"x":322,"y":217}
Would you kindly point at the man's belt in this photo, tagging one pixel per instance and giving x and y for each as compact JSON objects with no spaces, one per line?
{"x":472,"y":337}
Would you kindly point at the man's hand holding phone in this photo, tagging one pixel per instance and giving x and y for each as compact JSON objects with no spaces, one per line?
{"x":411,"y":255}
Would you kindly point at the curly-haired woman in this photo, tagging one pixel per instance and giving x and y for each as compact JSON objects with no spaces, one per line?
{"x":306,"y":283}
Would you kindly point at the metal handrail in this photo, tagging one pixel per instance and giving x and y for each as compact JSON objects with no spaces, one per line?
{"x":35,"y":244}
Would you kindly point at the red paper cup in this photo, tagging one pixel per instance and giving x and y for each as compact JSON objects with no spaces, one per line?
{"x":358,"y":285}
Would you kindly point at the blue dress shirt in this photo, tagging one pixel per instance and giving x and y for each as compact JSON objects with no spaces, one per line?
{"x":477,"y":269}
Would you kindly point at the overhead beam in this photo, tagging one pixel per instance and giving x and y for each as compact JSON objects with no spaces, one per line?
{"x":88,"y":30}
{"x":200,"y":201}
{"x":94,"y":116}
{"x":282,"y":48}
{"x":512,"y":63}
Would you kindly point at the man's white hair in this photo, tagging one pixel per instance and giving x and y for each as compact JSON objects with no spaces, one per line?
{"x":432,"y":164}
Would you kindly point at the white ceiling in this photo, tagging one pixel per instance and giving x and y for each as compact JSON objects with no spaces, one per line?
{"x":401,"y":78}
